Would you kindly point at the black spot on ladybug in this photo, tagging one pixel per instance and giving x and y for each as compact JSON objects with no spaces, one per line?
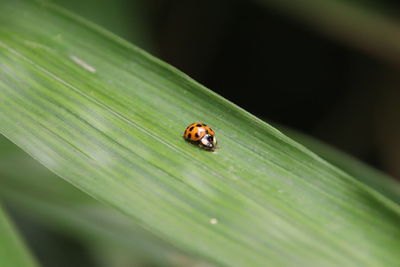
{"x":207,"y":131}
{"x":197,"y":135}
{"x":189,"y":136}
{"x":198,"y":125}
{"x":191,"y":128}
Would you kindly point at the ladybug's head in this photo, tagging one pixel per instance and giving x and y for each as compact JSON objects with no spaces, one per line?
{"x":208,"y":142}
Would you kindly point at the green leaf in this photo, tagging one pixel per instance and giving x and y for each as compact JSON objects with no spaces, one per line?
{"x":37,"y":195}
{"x":108,"y":118}
{"x":360,"y":171}
{"x":12,"y":250}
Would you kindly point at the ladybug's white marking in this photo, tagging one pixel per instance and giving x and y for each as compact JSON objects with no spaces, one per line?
{"x":83,"y":64}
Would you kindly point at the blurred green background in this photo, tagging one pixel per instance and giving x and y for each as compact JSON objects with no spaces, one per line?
{"x":327,"y":68}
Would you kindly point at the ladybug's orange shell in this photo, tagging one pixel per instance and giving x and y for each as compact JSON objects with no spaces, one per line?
{"x":195,"y":131}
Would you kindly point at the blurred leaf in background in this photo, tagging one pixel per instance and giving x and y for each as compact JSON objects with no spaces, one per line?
{"x":13,"y":251}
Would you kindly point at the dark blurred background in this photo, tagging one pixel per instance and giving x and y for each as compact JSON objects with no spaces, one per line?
{"x":326,"y":68}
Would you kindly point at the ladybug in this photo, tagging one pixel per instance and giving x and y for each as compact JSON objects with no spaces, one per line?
{"x":200,"y":134}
